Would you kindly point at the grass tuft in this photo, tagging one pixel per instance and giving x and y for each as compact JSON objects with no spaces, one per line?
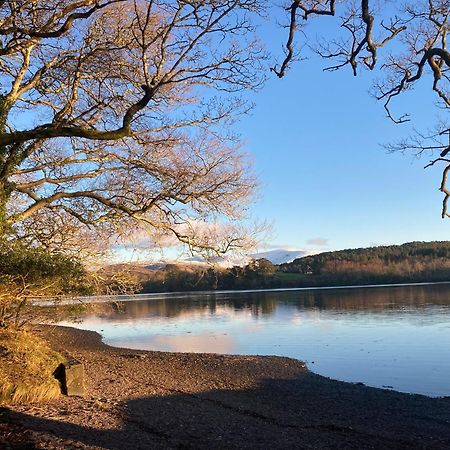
{"x":26,"y":368}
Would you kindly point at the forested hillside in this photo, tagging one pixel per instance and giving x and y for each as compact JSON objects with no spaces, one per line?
{"x":407,"y":263}
{"x":412,"y":257}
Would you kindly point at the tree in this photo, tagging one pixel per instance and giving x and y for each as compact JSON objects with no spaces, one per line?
{"x":112,"y":113}
{"x":413,"y":36}
{"x":260,"y":266}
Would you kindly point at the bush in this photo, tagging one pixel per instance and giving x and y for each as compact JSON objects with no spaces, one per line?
{"x":28,"y":273}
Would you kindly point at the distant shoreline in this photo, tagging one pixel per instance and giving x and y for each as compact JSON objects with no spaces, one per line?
{"x":165,"y":295}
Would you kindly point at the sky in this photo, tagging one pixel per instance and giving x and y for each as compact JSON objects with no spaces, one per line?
{"x":327,"y":183}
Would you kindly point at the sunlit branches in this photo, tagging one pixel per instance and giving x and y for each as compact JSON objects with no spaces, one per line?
{"x":115,"y":113}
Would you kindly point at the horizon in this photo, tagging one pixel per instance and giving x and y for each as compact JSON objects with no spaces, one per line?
{"x":316,"y":141}
{"x":326,"y":181}
{"x":225,"y":262}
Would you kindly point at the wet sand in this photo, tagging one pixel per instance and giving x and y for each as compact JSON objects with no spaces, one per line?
{"x":151,"y":400}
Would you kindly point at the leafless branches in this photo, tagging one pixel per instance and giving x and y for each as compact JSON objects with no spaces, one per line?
{"x":437,"y":141}
{"x":419,"y":31}
{"x":413,"y":36}
{"x":112,"y":111}
{"x":304,"y":10}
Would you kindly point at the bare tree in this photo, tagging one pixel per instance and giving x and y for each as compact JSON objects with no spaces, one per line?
{"x":112,"y":112}
{"x":413,"y":36}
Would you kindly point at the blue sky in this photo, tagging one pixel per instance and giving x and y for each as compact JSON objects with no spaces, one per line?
{"x":315,"y":138}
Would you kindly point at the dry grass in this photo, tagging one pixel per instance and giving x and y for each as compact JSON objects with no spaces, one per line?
{"x":26,"y":368}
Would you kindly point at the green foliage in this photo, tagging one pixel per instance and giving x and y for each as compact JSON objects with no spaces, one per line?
{"x":29,"y":272}
{"x":39,"y":265}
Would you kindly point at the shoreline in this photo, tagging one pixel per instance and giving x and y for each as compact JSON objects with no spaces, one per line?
{"x":145,"y":399}
{"x":176,"y":294}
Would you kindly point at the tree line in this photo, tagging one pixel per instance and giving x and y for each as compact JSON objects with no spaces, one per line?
{"x":407,"y":263}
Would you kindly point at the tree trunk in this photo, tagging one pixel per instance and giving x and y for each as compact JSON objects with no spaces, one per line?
{"x":6,"y":188}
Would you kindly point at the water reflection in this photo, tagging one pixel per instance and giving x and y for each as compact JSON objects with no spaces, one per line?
{"x":397,"y":337}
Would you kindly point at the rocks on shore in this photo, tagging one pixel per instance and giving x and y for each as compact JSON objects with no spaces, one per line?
{"x":70,"y":374}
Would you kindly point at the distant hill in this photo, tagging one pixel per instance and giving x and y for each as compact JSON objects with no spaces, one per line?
{"x":276,"y":256}
{"x":414,"y":253}
{"x":408,"y":263}
{"x":280,"y":256}
{"x":136,"y":271}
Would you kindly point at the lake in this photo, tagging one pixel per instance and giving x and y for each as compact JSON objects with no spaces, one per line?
{"x":392,"y":337}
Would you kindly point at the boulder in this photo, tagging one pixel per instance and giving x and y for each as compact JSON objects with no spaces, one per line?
{"x":70,"y":374}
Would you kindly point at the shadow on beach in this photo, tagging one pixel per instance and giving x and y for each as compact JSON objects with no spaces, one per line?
{"x":307,"y":412}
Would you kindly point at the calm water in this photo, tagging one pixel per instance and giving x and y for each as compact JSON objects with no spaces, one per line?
{"x":392,"y":337}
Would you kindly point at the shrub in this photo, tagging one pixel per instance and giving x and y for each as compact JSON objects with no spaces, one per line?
{"x":28,"y":273}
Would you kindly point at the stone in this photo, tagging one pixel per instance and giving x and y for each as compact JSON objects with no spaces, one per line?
{"x":71,"y":376}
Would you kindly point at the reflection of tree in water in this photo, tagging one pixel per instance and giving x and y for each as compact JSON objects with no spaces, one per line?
{"x":257,"y":305}
{"x":374,"y":298}
{"x":263,"y":304}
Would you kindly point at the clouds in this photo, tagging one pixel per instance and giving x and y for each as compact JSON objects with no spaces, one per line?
{"x":224,"y":242}
{"x":310,"y":245}
{"x":322,"y":242}
{"x":142,"y":246}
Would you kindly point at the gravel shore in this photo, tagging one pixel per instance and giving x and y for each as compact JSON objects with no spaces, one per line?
{"x":151,"y":400}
